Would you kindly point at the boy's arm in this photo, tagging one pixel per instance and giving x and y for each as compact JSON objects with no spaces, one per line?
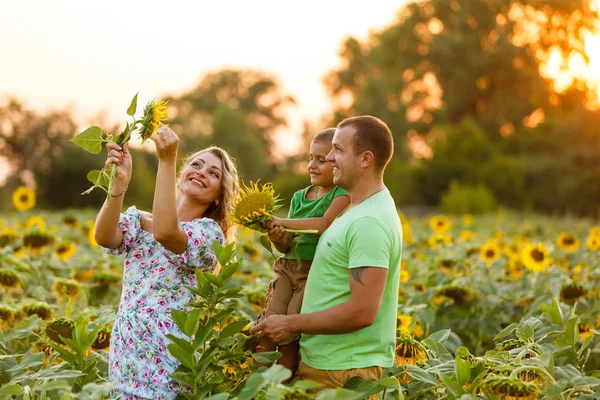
{"x":321,"y":223}
{"x":280,"y":238}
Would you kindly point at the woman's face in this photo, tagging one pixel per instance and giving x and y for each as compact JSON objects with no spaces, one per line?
{"x":201,"y":178}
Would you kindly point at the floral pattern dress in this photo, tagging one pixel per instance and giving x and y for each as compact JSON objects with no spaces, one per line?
{"x":154,"y":280}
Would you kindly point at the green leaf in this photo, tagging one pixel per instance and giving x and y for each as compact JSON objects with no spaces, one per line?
{"x":98,"y":177}
{"x":440,"y":336}
{"x":90,"y":140}
{"x":64,"y":374}
{"x":266,"y":357}
{"x":226,"y":253}
{"x":180,"y":318}
{"x":185,"y":357}
{"x":31,"y":361}
{"x":462,"y":367}
{"x":220,"y":396}
{"x":192,"y":322}
{"x":506,"y":331}
{"x":183,"y":377}
{"x":253,"y":385}
{"x":554,"y":312}
{"x":184,"y":344}
{"x":133,"y":106}
{"x":11,"y":390}
{"x":420,"y":375}
{"x":339,"y":394}
{"x":202,"y":334}
{"x":572,"y":330}
{"x":233,"y":328}
{"x":266,"y":243}
{"x":303,"y":385}
{"x":215,"y":280}
{"x":454,"y":388}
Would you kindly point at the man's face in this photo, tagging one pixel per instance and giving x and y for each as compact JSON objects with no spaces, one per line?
{"x":345,"y":163}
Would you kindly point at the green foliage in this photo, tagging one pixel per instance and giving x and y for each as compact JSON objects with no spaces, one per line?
{"x":466,"y":199}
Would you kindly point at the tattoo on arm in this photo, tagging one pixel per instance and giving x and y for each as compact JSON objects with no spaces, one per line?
{"x":357,"y":273}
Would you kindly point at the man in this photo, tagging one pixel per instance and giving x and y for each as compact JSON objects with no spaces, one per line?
{"x":348,"y":317}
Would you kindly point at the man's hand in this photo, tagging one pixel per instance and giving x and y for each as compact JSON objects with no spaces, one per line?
{"x":278,"y":328}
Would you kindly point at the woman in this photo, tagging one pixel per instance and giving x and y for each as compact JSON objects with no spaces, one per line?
{"x":163,"y":249}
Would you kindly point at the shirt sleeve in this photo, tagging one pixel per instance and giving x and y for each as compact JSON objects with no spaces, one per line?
{"x":369,"y":244}
{"x":338,"y":191}
{"x":201,"y":234}
{"x":130,"y":225}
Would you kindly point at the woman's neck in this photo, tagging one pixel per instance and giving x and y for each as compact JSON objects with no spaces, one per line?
{"x":189,"y":211}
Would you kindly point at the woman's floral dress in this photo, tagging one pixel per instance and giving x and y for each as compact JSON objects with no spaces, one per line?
{"x":154,"y":282}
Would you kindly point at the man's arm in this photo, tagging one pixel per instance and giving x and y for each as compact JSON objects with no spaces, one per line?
{"x":367,"y":285}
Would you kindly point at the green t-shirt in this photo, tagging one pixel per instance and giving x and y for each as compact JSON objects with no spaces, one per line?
{"x":301,"y":207}
{"x":367,"y":235}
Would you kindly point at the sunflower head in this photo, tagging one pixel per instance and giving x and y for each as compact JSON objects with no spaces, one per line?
{"x":37,"y":240}
{"x":572,"y":292}
{"x":593,"y":242}
{"x":154,"y":114}
{"x":510,"y":388}
{"x":254,"y":205}
{"x":535,"y":257}
{"x":9,"y":278}
{"x":585,"y":331}
{"x":440,"y":224}
{"x":446,"y":265}
{"x":459,"y":294}
{"x":39,"y":308}
{"x":567,"y":242}
{"x":490,"y":252}
{"x":438,"y":238}
{"x":65,"y":251}
{"x":409,"y":350}
{"x":53,"y":330}
{"x":7,"y":237}
{"x":7,"y":315}
{"x":23,"y":198}
{"x":37,"y":223}
{"x":102,"y":341}
{"x":69,"y":288}
{"x":71,"y":221}
{"x":106,"y":278}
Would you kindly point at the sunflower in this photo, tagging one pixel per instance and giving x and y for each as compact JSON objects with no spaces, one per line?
{"x":106,"y":278}
{"x":490,"y":252}
{"x":53,"y":330}
{"x":8,"y":236}
{"x":36,"y":222}
{"x":440,"y":224}
{"x":229,"y":370}
{"x":65,"y":251}
{"x":505,"y":387}
{"x":39,"y":308}
{"x":446,"y":265}
{"x":7,"y":316}
{"x":408,"y":350}
{"x":403,"y":323}
{"x":154,"y":114}
{"x":567,"y":242}
{"x":91,"y":234}
{"x":255,"y":205}
{"x":572,"y":292}
{"x":9,"y":279}
{"x":459,"y":294}
{"x":407,"y":233}
{"x":593,"y":242}
{"x":23,"y":198}
{"x":257,"y":300}
{"x":102,"y":341}
{"x":535,"y":257}
{"x":36,"y":240}
{"x":69,"y":288}
{"x":71,"y":221}
{"x":465,"y":236}
{"x":404,"y":275}
{"x":438,"y":238}
{"x":467,"y":219}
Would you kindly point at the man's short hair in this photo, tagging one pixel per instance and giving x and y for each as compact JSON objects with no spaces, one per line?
{"x":371,"y":134}
{"x":325,"y":136}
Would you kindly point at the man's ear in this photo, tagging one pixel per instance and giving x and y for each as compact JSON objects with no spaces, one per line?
{"x":367,"y":159}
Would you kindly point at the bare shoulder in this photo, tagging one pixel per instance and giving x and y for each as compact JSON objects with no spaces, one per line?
{"x":146,"y":220}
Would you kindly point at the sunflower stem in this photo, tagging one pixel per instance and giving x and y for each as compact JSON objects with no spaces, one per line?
{"x":113,"y":173}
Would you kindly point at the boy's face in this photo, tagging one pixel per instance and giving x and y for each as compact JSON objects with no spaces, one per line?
{"x":320,"y":170}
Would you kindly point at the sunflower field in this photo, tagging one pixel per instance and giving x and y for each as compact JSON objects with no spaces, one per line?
{"x":501,"y":306}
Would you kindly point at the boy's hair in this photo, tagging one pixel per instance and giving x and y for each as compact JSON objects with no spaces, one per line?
{"x":371,"y":134}
{"x":325,"y":136}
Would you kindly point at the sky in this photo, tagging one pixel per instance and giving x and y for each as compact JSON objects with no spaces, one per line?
{"x":93,"y":56}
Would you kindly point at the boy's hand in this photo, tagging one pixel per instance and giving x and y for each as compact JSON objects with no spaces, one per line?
{"x":277,"y":234}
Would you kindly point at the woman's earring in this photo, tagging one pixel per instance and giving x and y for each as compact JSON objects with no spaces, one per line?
{"x":216,"y":202}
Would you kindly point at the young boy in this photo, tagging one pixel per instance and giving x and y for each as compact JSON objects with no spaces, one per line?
{"x":314,"y":207}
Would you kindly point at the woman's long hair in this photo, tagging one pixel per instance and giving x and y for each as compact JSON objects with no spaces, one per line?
{"x":221,"y":210}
